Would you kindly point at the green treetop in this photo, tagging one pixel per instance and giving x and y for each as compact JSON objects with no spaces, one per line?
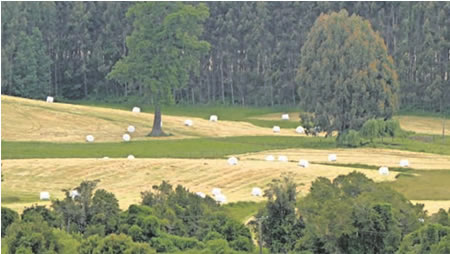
{"x":346,"y":75}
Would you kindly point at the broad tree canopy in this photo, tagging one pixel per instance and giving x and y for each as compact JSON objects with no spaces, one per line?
{"x":346,"y":75}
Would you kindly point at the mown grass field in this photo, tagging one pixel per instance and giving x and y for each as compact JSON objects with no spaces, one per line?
{"x":42,"y":145}
{"x":31,"y":120}
{"x":128,"y":178}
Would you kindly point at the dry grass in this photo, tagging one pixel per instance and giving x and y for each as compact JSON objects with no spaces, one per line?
{"x":293,"y":117}
{"x":368,"y":156}
{"x":433,"y":206}
{"x":126,"y":179}
{"x":32,"y":120}
{"x":428,"y":125}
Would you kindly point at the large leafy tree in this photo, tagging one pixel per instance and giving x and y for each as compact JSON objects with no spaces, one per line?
{"x":164,"y":49}
{"x":281,"y":226}
{"x":346,"y":75}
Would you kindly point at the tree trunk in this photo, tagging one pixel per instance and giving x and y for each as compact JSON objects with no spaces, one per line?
{"x":443,"y":128}
{"x":231,"y":85}
{"x":221,"y":81}
{"x":157,"y":129}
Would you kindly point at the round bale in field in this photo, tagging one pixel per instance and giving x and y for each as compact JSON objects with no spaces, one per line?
{"x":285,"y":117}
{"x":126,"y":137}
{"x":188,"y":122}
{"x":303,"y":163}
{"x":216,"y":191}
{"x":282,"y":158}
{"x":332,"y":157}
{"x":384,"y":171}
{"x":44,"y":195}
{"x":256,"y":192}
{"x":90,"y":138}
{"x":213,"y":118}
{"x":136,"y":110}
{"x":130,"y":157}
{"x":276,"y":129}
{"x":73,"y":194}
{"x":201,"y":194}
{"x":404,"y":163}
{"x":131,"y":129}
{"x":49,"y":99}
{"x":232,"y":161}
{"x":222,"y":199}
{"x":300,"y":130}
{"x":270,"y":158}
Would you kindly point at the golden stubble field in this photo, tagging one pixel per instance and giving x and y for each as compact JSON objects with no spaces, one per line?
{"x":366,"y":156}
{"x":128,"y":178}
{"x":32,"y":120}
{"x":427,"y":125}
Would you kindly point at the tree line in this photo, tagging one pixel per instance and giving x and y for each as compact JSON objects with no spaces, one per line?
{"x":67,"y":49}
{"x":350,"y":214}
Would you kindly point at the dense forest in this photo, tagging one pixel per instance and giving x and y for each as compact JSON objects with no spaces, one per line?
{"x":67,"y":49}
{"x":350,"y":214}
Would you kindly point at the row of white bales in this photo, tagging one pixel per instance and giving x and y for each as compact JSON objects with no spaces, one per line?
{"x":216,"y":192}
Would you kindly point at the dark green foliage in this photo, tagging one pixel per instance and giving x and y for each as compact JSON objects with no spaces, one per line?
{"x":48,"y":216}
{"x":371,"y":129}
{"x":163,"y":50}
{"x":253,"y":58}
{"x":351,"y":215}
{"x":184,"y":214}
{"x":281,"y":225}
{"x":114,"y":244}
{"x":441,"y":217}
{"x":8,"y":217}
{"x":88,"y":213}
{"x":432,"y":238}
{"x":350,"y":138}
{"x":346,"y":75}
{"x":35,"y":236}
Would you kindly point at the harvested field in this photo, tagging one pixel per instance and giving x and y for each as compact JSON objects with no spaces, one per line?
{"x":293,"y":117}
{"x":420,"y":124}
{"x":366,"y":156}
{"x":433,"y":206}
{"x":32,"y":120}
{"x":126,"y":179}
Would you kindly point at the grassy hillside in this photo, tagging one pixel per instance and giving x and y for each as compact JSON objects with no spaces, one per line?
{"x":128,"y":178}
{"x":32,"y":120}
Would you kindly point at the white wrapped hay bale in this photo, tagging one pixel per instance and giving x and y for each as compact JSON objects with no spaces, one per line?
{"x":270,"y":158}
{"x":303,"y":163}
{"x":222,"y":199}
{"x":285,"y":117}
{"x":188,"y":122}
{"x":213,"y":118}
{"x":282,"y":158}
{"x":131,"y":129}
{"x":256,"y":192}
{"x":232,"y":161}
{"x":49,"y":99}
{"x":130,"y":157}
{"x":105,"y":158}
{"x":90,"y":138}
{"x":44,"y":195}
{"x":276,"y":129}
{"x":384,"y":171}
{"x":126,"y":137}
{"x":300,"y":130}
{"x":332,"y":157}
{"x":404,"y":163}
{"x":136,"y":110}
{"x":200,"y":194}
{"x":73,"y":194}
{"x":216,"y":191}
